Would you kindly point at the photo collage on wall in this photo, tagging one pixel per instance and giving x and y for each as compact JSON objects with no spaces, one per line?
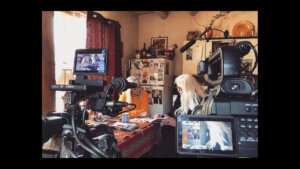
{"x":151,"y":75}
{"x":149,"y":71}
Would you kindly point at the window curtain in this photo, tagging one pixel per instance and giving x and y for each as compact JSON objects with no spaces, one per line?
{"x":48,"y":64}
{"x":105,"y":33}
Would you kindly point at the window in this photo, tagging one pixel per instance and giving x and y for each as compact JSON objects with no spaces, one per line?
{"x":69,"y":35}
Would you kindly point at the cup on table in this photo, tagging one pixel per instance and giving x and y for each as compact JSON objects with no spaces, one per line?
{"x":125,"y":117}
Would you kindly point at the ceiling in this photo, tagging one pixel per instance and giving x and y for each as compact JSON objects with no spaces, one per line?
{"x":162,"y":14}
{"x":139,"y":13}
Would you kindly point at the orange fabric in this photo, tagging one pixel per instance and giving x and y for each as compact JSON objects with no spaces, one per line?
{"x":141,"y":105}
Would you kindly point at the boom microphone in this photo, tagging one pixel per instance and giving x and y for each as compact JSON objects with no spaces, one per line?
{"x":188,"y":45}
{"x":193,"y":41}
{"x":130,"y":85}
{"x":116,"y":103}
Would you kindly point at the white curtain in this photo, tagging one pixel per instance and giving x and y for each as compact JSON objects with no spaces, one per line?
{"x":69,"y":35}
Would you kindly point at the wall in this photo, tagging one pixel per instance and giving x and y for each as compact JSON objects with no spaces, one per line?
{"x":178,"y":23}
{"x":129,"y":35}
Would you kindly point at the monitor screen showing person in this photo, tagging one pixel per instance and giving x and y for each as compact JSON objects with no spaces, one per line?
{"x":205,"y":135}
{"x":91,"y":62}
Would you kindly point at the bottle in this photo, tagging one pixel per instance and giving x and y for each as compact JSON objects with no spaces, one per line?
{"x":152,"y":50}
{"x":137,"y":55}
{"x":144,"y":51}
{"x":148,"y":53}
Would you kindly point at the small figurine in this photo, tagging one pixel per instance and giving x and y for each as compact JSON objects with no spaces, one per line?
{"x":192,"y":35}
{"x":171,"y":51}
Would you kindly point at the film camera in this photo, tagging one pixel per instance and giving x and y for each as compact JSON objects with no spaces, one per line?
{"x":229,"y":127}
{"x":79,"y":140}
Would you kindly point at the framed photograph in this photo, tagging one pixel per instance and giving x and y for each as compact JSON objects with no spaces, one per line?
{"x":160,"y":43}
{"x":189,"y":54}
{"x":157,"y":96}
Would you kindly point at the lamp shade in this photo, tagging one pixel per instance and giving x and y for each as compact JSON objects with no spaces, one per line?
{"x":65,"y":76}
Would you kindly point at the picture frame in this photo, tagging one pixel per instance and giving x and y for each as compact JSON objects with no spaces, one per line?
{"x":160,"y":44}
{"x":189,"y":54}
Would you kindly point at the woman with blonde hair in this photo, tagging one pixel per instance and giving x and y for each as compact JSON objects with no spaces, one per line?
{"x":136,"y":96}
{"x":191,"y":94}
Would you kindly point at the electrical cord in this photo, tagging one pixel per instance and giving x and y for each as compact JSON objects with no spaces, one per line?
{"x":256,"y":57}
{"x":75,"y":134}
{"x":243,"y":45}
{"x":84,"y":111}
{"x":129,"y":109}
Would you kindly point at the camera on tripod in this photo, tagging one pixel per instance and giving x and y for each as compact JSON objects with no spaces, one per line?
{"x":77,"y":139}
{"x":229,"y":127}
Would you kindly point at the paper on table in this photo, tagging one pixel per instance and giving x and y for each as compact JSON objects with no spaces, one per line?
{"x":119,"y":124}
{"x":145,"y":119}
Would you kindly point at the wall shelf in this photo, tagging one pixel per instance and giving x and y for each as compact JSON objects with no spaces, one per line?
{"x":250,"y":37}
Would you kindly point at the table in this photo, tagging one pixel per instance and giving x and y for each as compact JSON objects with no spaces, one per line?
{"x":135,"y":143}
{"x":140,"y":141}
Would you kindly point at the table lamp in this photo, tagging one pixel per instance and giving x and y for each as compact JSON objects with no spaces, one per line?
{"x":65,"y":76}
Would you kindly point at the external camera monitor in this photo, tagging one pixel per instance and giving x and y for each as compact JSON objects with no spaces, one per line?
{"x":212,"y":136}
{"x":91,"y":61}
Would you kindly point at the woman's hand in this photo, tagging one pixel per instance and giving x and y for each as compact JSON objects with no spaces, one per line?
{"x":133,"y":114}
{"x":143,"y":114}
{"x":157,"y":116}
{"x":169,"y":121}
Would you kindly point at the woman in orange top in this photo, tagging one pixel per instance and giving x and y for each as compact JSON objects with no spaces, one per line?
{"x":135,"y":96}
